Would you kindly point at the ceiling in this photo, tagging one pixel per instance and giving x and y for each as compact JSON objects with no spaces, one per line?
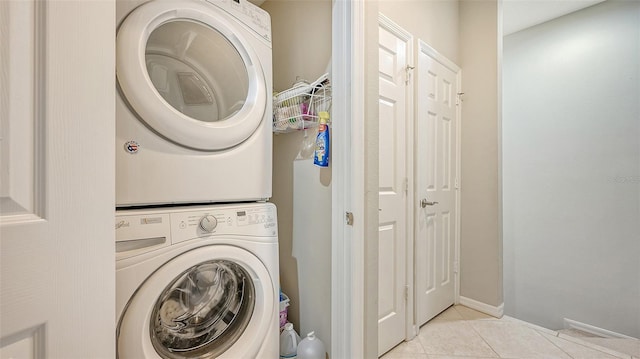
{"x":521,"y":14}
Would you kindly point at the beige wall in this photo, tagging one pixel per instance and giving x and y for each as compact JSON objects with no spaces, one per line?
{"x":435,"y":22}
{"x":480,"y":234}
{"x":301,"y":32}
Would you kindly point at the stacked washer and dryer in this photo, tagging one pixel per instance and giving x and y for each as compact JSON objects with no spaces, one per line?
{"x":196,"y":241}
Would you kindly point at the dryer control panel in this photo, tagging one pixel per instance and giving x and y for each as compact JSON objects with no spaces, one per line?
{"x":142,"y":230}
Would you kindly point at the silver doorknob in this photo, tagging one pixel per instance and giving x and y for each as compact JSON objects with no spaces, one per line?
{"x":425,"y":203}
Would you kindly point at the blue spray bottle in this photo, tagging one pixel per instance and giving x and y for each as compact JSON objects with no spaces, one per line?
{"x":321,"y":154}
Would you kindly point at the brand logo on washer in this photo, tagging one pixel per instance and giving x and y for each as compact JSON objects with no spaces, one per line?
{"x":122,"y":224}
{"x":132,"y":147}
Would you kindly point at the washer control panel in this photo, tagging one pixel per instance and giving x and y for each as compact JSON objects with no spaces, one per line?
{"x":248,"y":220}
{"x":142,"y":230}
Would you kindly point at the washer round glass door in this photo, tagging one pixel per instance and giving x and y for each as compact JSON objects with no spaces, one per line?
{"x":209,"y":302}
{"x":188,"y":73}
{"x":203,"y":311}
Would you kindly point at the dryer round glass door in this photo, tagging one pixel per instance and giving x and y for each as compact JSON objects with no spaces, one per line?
{"x":190,"y":72}
{"x":209,"y":302}
{"x":197,"y":70}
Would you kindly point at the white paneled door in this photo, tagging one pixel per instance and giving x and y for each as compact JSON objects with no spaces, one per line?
{"x":57,"y":196}
{"x":394,"y":165}
{"x":437,"y":183}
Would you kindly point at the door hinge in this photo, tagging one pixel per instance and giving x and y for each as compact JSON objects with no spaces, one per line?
{"x":406,"y":293}
{"x":456,"y":183}
{"x":459,"y":98}
{"x":456,"y":267}
{"x":349,"y":218}
{"x":408,"y":70}
{"x":406,"y":185}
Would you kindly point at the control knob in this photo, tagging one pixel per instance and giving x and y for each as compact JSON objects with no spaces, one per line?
{"x":208,"y":223}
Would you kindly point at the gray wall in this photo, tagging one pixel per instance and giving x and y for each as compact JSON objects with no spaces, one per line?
{"x":572,"y":170}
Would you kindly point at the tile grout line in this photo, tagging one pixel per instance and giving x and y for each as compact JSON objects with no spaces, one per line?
{"x":593,"y":346}
{"x":569,"y":338}
{"x":554,"y":344}
{"x":535,"y":327}
{"x":545,"y":333}
{"x":542,"y":330}
{"x":424,"y":351}
{"x":478,"y":333}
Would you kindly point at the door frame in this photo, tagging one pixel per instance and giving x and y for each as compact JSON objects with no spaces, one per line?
{"x":411,"y":329}
{"x":424,"y":47}
{"x":347,"y":257}
{"x":354,"y":274}
{"x":351,"y":271}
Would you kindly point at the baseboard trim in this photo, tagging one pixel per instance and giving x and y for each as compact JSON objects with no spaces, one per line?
{"x":574,"y":324}
{"x":493,"y":311}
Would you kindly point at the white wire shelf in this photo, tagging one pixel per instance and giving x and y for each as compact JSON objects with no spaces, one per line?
{"x":298,"y":108}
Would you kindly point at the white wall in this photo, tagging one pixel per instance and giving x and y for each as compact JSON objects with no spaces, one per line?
{"x":572,"y":169}
{"x":311,"y":247}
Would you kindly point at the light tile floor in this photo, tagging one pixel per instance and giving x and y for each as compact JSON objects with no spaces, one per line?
{"x":463,"y":333}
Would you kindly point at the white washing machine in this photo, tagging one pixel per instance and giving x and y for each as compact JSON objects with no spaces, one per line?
{"x":197,"y":282}
{"x":194,"y":108}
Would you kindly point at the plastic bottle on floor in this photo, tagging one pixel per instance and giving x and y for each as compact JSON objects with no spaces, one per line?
{"x":289,"y":340}
{"x":311,"y":348}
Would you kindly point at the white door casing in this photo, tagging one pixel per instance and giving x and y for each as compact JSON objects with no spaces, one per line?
{"x":57,"y":99}
{"x":395,"y":172}
{"x":349,"y":263}
{"x":437,"y":183}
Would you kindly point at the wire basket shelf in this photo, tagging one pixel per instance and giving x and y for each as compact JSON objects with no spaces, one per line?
{"x":298,"y":108}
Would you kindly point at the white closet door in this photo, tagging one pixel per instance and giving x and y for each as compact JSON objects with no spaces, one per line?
{"x":395,"y":117}
{"x":57,"y":96}
{"x":437,"y":183}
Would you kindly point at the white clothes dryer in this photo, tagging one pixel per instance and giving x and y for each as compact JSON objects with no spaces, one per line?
{"x":197,"y":282}
{"x":194,"y":104}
